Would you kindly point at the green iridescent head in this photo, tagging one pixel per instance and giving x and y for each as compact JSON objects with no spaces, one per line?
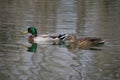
{"x":31,"y":30}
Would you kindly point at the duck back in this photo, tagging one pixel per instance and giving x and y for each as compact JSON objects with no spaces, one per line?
{"x":90,"y":41}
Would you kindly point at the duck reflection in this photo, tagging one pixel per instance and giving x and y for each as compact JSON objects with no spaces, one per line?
{"x":32,"y":48}
{"x":72,"y":46}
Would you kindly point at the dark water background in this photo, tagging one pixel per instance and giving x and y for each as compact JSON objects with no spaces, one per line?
{"x":99,"y":18}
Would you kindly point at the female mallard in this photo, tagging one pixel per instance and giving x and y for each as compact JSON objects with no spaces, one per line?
{"x":86,"y":41}
{"x":34,"y":38}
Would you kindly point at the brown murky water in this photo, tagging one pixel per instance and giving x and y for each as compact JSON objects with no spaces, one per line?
{"x":99,"y":18}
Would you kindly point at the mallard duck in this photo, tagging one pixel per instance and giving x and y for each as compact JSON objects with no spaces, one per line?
{"x":86,"y":41}
{"x":34,"y":38}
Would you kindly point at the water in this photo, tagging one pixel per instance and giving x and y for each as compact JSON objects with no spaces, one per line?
{"x":97,"y":18}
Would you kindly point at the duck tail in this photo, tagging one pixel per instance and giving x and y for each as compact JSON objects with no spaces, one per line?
{"x":97,"y":41}
{"x":62,"y":37}
{"x":102,"y":42}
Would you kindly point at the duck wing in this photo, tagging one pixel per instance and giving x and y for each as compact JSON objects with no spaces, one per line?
{"x":90,"y":41}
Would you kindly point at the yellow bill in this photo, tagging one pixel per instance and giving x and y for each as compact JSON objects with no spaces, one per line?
{"x":25,"y":32}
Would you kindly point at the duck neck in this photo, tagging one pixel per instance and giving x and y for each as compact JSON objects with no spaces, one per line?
{"x":73,"y":38}
{"x":34,"y":34}
{"x":31,"y":39}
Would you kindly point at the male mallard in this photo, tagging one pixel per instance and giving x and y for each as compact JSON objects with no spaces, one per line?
{"x":86,"y":41}
{"x":44,"y":37}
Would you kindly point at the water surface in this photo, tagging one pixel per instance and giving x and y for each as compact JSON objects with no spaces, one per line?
{"x":52,"y":62}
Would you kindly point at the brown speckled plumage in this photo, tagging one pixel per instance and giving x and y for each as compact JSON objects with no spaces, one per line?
{"x":86,"y":41}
